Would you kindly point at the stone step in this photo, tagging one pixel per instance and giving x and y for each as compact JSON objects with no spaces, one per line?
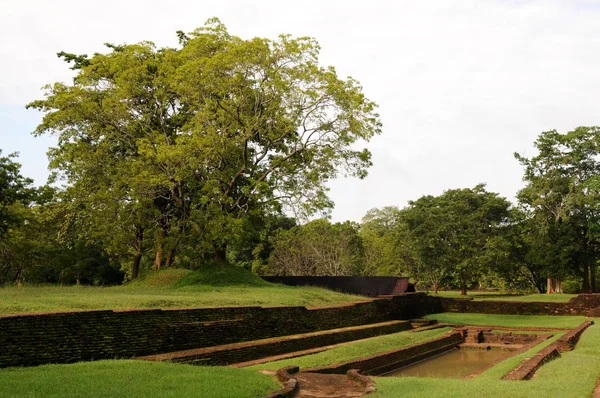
{"x":422,"y":322}
{"x":229,"y":354}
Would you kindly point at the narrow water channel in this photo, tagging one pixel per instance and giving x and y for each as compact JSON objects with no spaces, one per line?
{"x":454,"y":364}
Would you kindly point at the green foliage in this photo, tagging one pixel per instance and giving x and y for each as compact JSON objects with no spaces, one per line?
{"x":453,"y":234}
{"x":562,"y":198}
{"x":317,"y":248}
{"x":14,"y":190}
{"x":33,"y":246}
{"x":572,"y":285}
{"x":173,"y":150}
{"x":388,"y":248}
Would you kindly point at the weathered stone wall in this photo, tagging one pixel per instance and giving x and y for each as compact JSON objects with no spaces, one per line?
{"x":34,"y":339}
{"x":584,"y":304}
{"x":251,"y":350}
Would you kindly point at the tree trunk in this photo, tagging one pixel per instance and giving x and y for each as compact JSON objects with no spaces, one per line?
{"x":586,"y":278}
{"x":139,"y":240}
{"x":593,"y":278}
{"x":158,"y":256}
{"x":558,"y":285}
{"x":135,"y":269}
{"x":170,"y":258}
{"x":463,"y":287}
{"x":554,"y":286}
{"x":220,"y":252}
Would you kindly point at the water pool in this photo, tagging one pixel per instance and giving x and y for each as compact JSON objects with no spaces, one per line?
{"x":456,"y":363}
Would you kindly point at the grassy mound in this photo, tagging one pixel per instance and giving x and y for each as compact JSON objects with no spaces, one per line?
{"x":212,"y":274}
{"x":159,"y":279}
{"x":216,"y":274}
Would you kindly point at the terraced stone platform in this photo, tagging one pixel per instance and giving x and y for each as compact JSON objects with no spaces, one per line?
{"x":229,"y":354}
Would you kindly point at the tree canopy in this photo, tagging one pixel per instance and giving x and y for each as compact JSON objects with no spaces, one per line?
{"x":563,"y":199}
{"x":163,"y":144}
{"x":452,"y":232}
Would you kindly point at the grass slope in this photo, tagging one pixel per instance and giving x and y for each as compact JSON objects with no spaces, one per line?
{"x":522,"y":321}
{"x":209,"y":287}
{"x":573,"y":375}
{"x":113,"y":379}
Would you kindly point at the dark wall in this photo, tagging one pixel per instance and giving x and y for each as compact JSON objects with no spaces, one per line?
{"x":371,"y":286}
{"x":34,"y":339}
{"x":584,"y":304}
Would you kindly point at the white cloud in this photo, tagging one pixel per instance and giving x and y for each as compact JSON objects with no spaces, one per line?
{"x":461,"y":85}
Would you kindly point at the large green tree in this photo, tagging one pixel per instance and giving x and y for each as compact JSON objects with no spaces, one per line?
{"x":14,"y":189}
{"x":562,"y":196}
{"x":388,"y":248}
{"x":453,"y":232}
{"x":193,"y":140}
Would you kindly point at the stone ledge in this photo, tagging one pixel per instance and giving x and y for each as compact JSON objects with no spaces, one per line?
{"x":527,"y":368}
{"x":571,"y":338}
{"x":366,"y":382}
{"x":290,"y":384}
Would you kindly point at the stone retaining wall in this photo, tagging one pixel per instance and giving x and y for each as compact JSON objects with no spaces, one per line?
{"x":35,"y":339}
{"x":252,"y":350}
{"x":584,"y":304}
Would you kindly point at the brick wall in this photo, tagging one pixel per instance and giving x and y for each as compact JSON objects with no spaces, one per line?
{"x":584,"y":304}
{"x":34,"y":339}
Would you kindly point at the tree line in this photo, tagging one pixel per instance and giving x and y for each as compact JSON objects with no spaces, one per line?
{"x":219,"y":150}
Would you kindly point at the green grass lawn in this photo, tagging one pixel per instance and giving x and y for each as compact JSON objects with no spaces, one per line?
{"x":359,"y":349}
{"x":573,"y":375}
{"x":131,"y":379}
{"x":478,"y":295}
{"x":212,"y":287}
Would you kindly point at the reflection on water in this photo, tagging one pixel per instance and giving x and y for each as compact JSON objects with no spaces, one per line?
{"x":454,"y":364}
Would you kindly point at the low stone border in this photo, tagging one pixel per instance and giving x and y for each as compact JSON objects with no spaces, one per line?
{"x":290,"y":384}
{"x":366,"y":382}
{"x":527,"y":368}
{"x":571,"y":338}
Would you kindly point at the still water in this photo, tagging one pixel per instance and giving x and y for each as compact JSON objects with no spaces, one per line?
{"x":454,"y":364}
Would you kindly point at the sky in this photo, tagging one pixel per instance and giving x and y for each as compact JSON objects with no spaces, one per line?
{"x":461,"y":85}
